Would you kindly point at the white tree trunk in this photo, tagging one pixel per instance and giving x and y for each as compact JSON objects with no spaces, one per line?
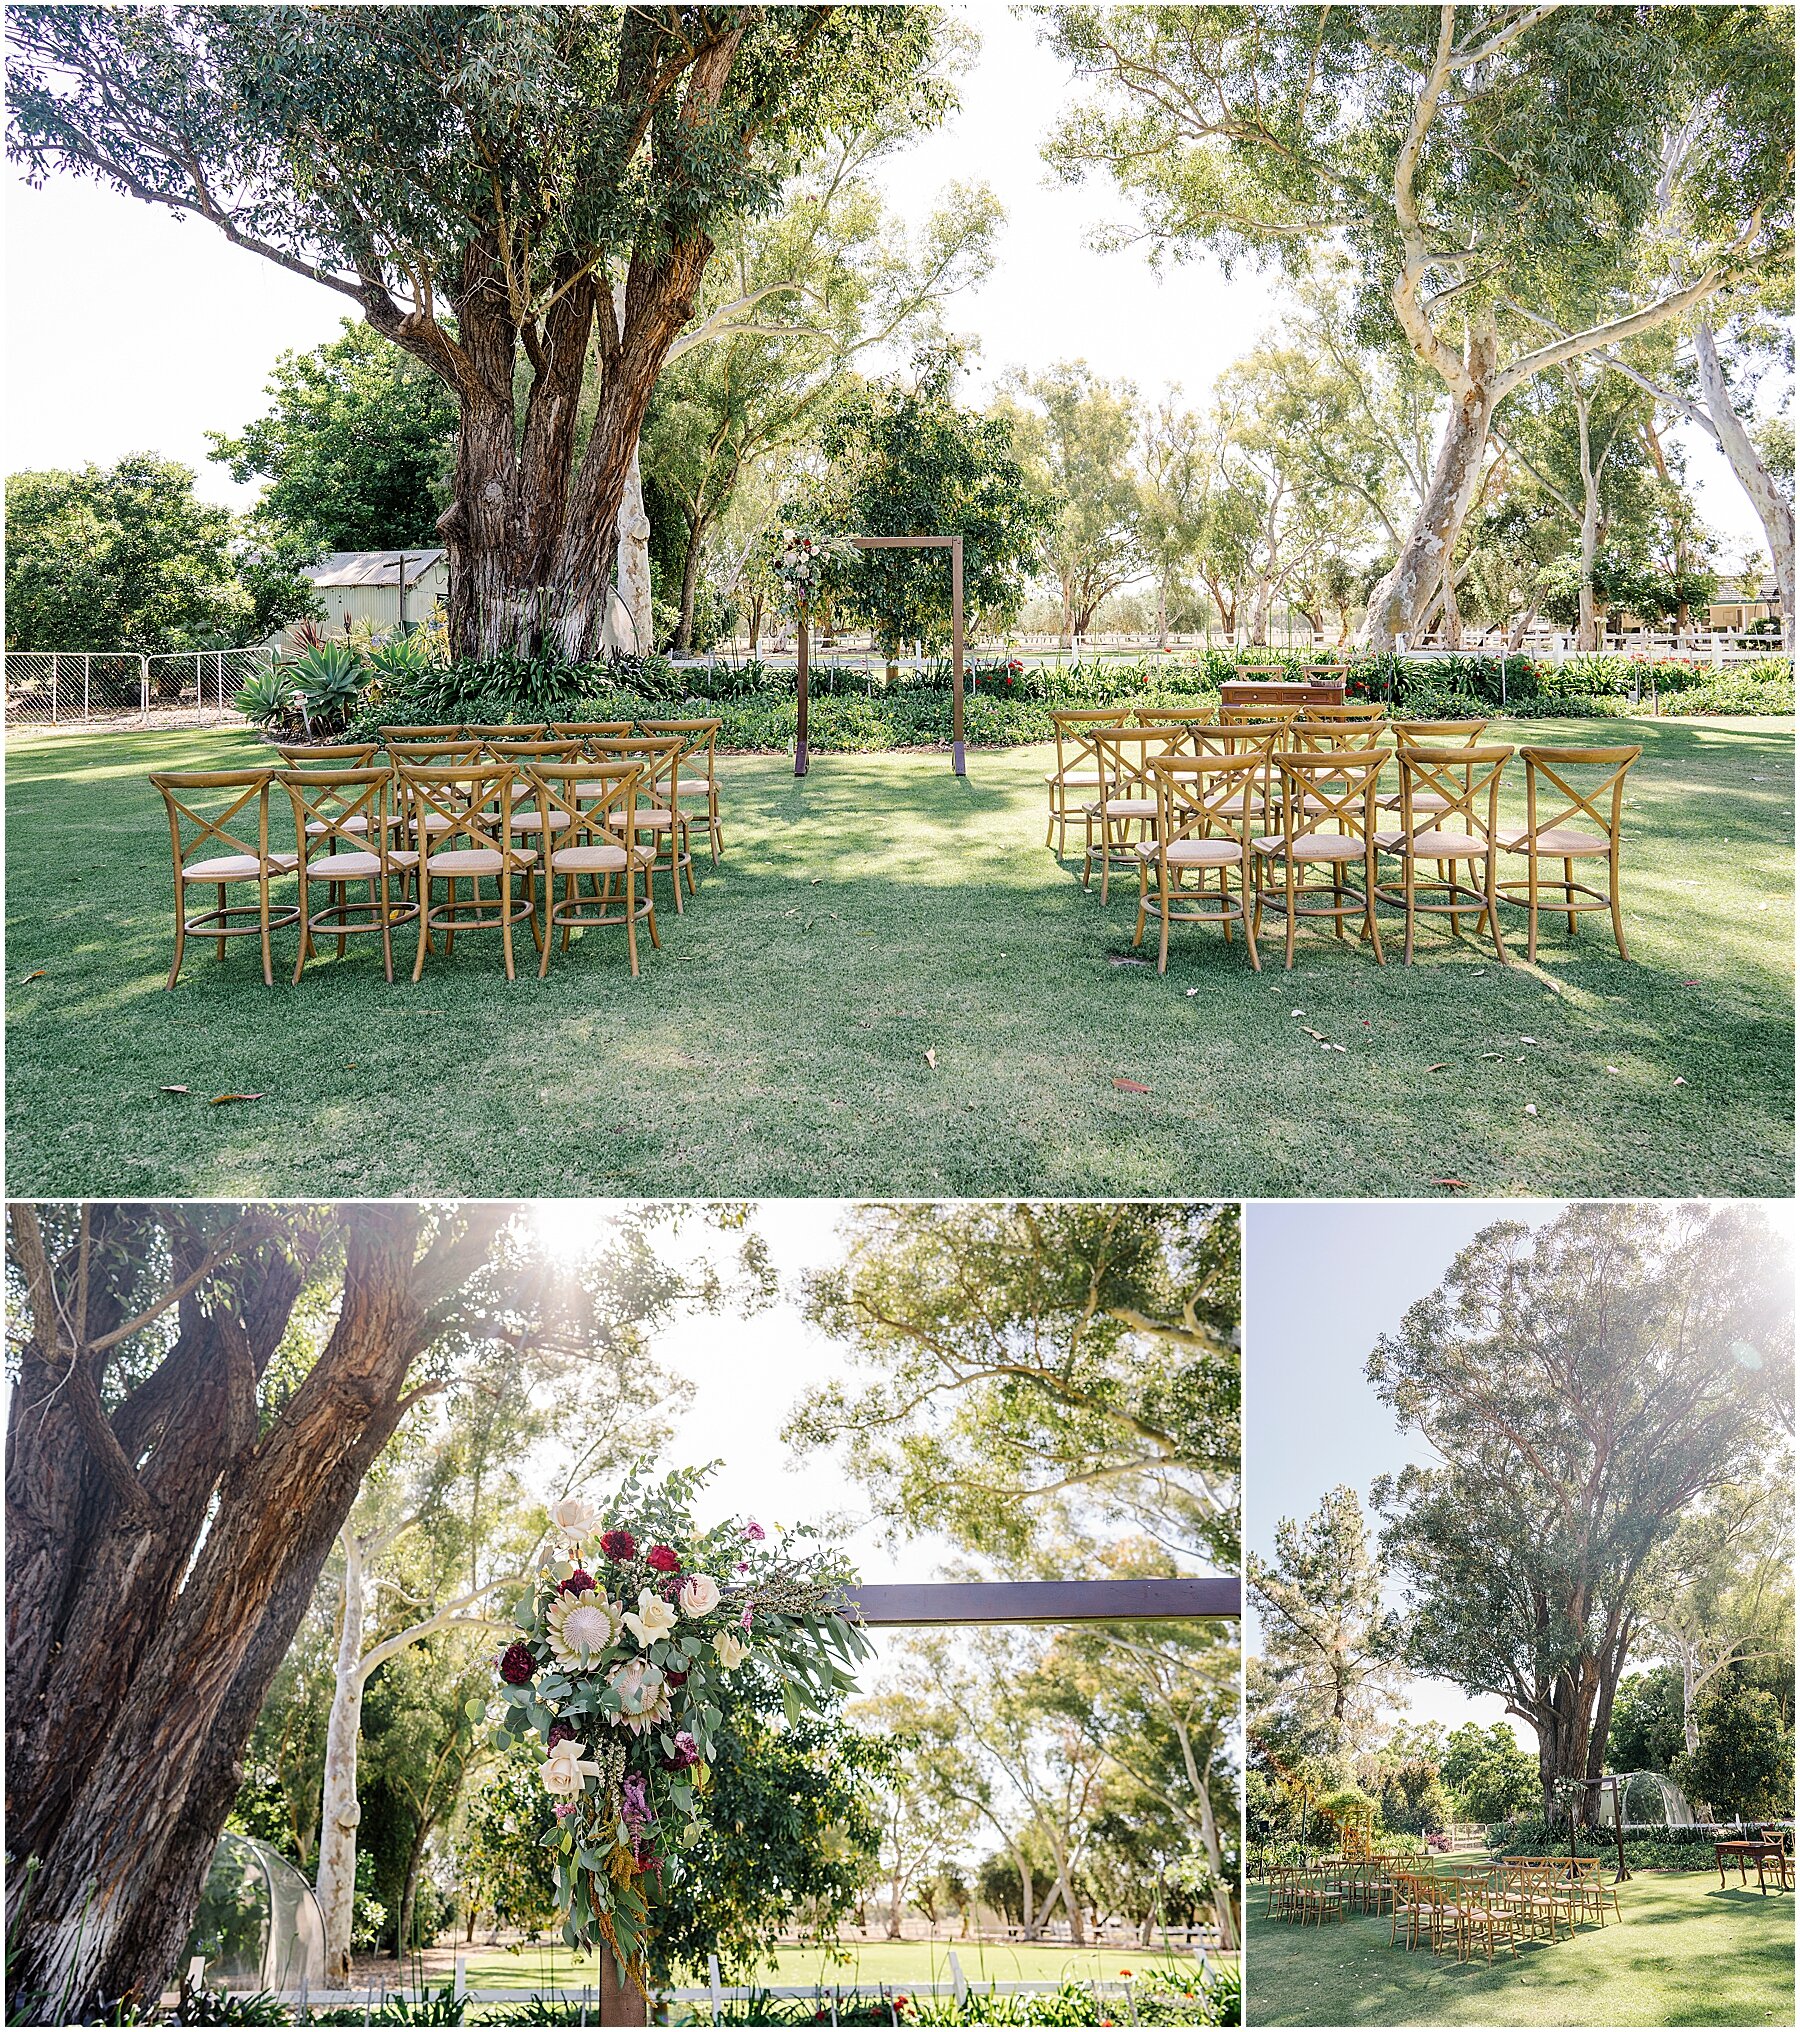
{"x":634,"y":559}
{"x":340,"y":1812}
{"x":1398,"y":603}
{"x":1774,"y":510}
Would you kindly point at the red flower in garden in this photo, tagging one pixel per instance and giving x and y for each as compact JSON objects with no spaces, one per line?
{"x":618,"y":1544}
{"x":577,"y":1583}
{"x":664,"y":1558}
{"x":517,"y":1665}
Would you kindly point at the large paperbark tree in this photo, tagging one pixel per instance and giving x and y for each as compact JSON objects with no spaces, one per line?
{"x":484,"y":183}
{"x":1484,"y":166}
{"x":184,"y":1445}
{"x":1582,"y":1388}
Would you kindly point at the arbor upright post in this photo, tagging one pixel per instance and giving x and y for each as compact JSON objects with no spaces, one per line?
{"x":800,"y":648}
{"x":956,"y":656}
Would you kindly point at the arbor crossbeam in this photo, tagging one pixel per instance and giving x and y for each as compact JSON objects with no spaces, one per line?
{"x":922,"y":1605}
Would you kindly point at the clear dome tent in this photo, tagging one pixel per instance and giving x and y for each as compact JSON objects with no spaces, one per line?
{"x":1648,"y":1799}
{"x":259,"y":1925}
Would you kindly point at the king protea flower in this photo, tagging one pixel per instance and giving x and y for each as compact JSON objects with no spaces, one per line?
{"x":582,"y":1627}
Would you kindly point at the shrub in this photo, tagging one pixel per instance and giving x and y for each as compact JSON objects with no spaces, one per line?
{"x":269,"y":698}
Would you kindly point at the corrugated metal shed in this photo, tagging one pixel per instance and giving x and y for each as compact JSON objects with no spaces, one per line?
{"x":365,"y":585}
{"x":372,"y":567}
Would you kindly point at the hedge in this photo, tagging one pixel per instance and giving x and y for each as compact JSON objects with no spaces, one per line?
{"x":1680,"y":1848}
{"x":1008,"y":704}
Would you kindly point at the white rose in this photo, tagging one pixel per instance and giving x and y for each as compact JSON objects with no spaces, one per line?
{"x":565,"y":1768}
{"x":653,"y":1618}
{"x":731,"y":1648}
{"x":699,"y":1595}
{"x":575,"y":1516}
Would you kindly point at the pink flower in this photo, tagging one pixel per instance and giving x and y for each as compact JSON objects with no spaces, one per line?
{"x":754,"y":1530}
{"x":744,"y":1619}
{"x":563,"y":1811}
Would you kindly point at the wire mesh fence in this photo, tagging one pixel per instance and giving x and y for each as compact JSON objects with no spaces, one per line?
{"x":51,"y":689}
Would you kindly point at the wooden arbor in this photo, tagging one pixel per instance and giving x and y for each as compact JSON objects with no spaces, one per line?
{"x":953,"y":544}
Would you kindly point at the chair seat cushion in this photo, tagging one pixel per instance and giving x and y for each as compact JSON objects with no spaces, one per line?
{"x":1435,"y":846}
{"x":597,"y":859}
{"x":1561,"y":841}
{"x":1196,"y":853}
{"x":477,"y":860}
{"x":1074,"y":780}
{"x":1130,"y":807}
{"x":533,"y":821}
{"x":355,"y":867}
{"x":1423,"y":800}
{"x":652,"y":818}
{"x":1313,"y":847}
{"x":237,"y":868}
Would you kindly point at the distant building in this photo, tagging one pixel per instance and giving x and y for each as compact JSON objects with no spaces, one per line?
{"x":1733,"y":613}
{"x":368,"y":586}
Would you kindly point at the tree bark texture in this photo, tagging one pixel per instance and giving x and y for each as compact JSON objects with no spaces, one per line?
{"x":1773,"y":509}
{"x":336,"y":1882}
{"x":165,"y":1553}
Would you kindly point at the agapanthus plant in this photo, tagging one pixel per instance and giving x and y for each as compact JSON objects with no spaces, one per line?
{"x":622,"y":1674}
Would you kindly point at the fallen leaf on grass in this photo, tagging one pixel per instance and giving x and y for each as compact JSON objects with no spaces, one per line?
{"x":1191,"y":993}
{"x":1531,"y":1107}
{"x":1443,"y":1065}
{"x":1126,"y":1086}
{"x":1679,"y":1081}
{"x":1125,"y":960}
{"x":931,"y":1059}
{"x":218,"y":1100}
{"x":37,"y":975}
{"x":1615,"y":1069}
{"x":1453,"y":1184}
{"x":174,"y":1090}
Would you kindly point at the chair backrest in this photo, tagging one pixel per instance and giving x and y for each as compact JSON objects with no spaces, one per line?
{"x":522,"y":754}
{"x":397,"y":733}
{"x":1259,"y":670}
{"x":1238,"y":737}
{"x":505,"y":730}
{"x":588,"y":803}
{"x":1176,"y":716}
{"x":1566,"y":771}
{"x":1470,"y":731}
{"x":659,"y":756}
{"x":1307,"y":735}
{"x":1257,"y":714}
{"x":698,"y":739}
{"x":1318,"y":791}
{"x":1466,"y":779}
{"x":475,"y":804}
{"x":342,"y":755}
{"x":1074,"y":727}
{"x":1198,"y":796}
{"x":1123,"y":755}
{"x":588,"y":730}
{"x":349,"y":808}
{"x":1351,"y":709}
{"x":192,"y":828}
{"x":433,"y":752}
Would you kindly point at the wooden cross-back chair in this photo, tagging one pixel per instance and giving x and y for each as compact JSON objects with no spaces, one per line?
{"x":658,"y":811}
{"x":1077,"y":773}
{"x":528,"y":819}
{"x":589,"y":813}
{"x":1206,"y":808}
{"x":1258,"y":715}
{"x":1327,"y":819}
{"x":343,"y":825}
{"x":333,"y":755}
{"x":485,"y":731}
{"x":226,"y":810}
{"x":1449,"y":819}
{"x":446,"y":751}
{"x":1351,"y":709}
{"x":473,"y":806}
{"x":589,"y":730}
{"x":1310,"y":734}
{"x":699,"y":777}
{"x":1123,"y":815}
{"x":1558,"y":814}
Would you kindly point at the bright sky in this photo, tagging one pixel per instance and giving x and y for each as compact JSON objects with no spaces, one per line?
{"x":130,"y":330}
{"x":1323,"y":1282}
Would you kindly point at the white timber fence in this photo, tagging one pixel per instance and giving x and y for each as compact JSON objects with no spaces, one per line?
{"x":48,"y":689}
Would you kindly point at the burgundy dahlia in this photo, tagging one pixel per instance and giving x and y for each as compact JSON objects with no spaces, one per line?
{"x":618,"y":1545}
{"x":517,"y":1665}
{"x":664,"y":1558}
{"x":577,"y":1583}
{"x":676,"y":1678}
{"x":560,"y":1732}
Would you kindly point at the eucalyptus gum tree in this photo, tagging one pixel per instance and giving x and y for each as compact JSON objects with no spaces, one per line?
{"x":1583,"y":1388}
{"x":489,"y":185}
{"x":199,"y":1394}
{"x":1486,"y":168}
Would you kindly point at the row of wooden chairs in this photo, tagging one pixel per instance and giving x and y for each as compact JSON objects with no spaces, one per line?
{"x":1231,"y":806}
{"x":485,"y":831}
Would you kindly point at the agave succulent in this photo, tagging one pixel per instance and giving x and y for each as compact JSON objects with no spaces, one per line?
{"x":268,"y":696}
{"x":329,"y":681}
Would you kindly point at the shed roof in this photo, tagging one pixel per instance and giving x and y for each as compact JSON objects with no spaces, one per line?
{"x":371,"y":567}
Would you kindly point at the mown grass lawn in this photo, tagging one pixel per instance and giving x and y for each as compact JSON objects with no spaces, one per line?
{"x":1686,"y":1954}
{"x":893,"y":1962}
{"x":878,"y":911}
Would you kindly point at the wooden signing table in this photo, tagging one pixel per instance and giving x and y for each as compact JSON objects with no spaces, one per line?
{"x":1761,"y":1853}
{"x":1315,"y":691}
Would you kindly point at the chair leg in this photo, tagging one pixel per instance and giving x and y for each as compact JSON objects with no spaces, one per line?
{"x":305,"y":932}
{"x":262,"y":901}
{"x":1569,"y":891}
{"x":180,"y":936}
{"x":1531,"y":907}
{"x":549,"y":937}
{"x":631,"y":921}
{"x":387,"y":930}
{"x":1612,"y":896}
{"x":504,"y":883}
{"x":1137,"y":937}
{"x":424,"y":919}
{"x":1244,"y":887}
{"x":1370,"y":923}
{"x":1492,"y":893}
{"x":1162,"y":890}
{"x":1290,"y":916}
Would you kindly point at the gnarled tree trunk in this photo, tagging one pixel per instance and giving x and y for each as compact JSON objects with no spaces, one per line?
{"x":341,"y":1813}
{"x":1773,"y":508}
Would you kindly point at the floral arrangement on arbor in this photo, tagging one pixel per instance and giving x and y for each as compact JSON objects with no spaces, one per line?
{"x":802,"y":561}
{"x":622,"y":1674}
